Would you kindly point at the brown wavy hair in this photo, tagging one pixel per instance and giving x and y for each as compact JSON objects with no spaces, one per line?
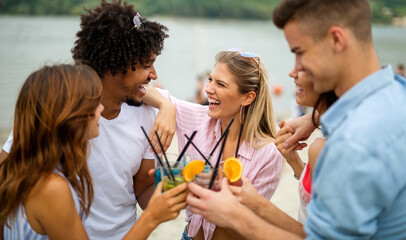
{"x":324,"y":101}
{"x":50,"y":131}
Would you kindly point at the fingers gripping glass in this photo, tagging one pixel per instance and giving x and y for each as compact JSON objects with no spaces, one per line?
{"x":250,"y":55}
{"x":138,"y":21}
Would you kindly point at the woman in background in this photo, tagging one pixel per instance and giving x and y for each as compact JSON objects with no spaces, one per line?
{"x":306,"y":96}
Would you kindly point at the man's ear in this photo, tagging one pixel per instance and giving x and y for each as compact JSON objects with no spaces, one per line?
{"x":338,"y":38}
{"x":248,"y":98}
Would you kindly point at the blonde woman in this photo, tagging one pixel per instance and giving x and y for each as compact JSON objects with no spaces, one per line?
{"x":238,"y":89}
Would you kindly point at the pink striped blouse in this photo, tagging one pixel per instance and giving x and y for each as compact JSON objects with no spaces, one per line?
{"x":262,"y":166}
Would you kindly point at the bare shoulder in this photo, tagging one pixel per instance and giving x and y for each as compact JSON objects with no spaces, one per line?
{"x":315,"y":149}
{"x":47,"y":200}
{"x":54,"y":185}
{"x":52,"y":191}
{"x":317,"y":145}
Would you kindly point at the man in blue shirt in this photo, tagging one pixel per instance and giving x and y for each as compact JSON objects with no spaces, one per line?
{"x":359,"y":182}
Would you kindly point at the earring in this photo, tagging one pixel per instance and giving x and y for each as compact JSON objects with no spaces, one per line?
{"x":242,"y":115}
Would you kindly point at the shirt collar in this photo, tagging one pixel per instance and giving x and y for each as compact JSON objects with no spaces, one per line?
{"x":245,"y":151}
{"x":333,"y":117}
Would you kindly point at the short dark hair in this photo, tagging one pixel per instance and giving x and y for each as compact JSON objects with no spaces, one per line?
{"x":107,"y":41}
{"x":318,"y":16}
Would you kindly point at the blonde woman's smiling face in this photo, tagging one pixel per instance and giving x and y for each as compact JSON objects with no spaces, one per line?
{"x":223,"y":95}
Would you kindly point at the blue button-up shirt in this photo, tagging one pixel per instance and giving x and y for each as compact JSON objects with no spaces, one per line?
{"x":359,"y":181}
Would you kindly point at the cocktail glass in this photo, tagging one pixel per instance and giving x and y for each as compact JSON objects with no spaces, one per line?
{"x":170,"y":176}
{"x":203,"y":179}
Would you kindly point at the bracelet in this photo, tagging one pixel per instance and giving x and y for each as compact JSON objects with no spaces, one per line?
{"x":296,"y":177}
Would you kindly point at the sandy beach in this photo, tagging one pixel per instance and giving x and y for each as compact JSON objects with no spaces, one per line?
{"x":286,"y":196}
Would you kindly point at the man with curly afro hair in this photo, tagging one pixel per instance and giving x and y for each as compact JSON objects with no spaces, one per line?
{"x":121,"y":47}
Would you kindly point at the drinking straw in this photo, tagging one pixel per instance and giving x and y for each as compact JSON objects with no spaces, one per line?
{"x":166,"y":159}
{"x":185,"y":148}
{"x":205,"y":159}
{"x":222,"y":136}
{"x":156,"y":154}
{"x":213,"y":176}
{"x":239,"y":138}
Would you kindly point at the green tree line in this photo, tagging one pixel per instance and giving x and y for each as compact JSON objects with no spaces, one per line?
{"x":383,"y":10}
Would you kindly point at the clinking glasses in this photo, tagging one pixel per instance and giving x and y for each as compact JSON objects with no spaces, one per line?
{"x":138,"y":21}
{"x":250,"y":55}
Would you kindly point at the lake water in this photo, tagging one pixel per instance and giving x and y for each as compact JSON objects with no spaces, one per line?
{"x":27,"y":43}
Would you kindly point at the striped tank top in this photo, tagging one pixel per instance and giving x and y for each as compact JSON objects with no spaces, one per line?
{"x":20,"y":228}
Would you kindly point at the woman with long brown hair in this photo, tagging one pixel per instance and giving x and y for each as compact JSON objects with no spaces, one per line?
{"x":45,"y":184}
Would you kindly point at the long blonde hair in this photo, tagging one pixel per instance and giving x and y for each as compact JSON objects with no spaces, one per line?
{"x":259,"y":121}
{"x":50,"y":131}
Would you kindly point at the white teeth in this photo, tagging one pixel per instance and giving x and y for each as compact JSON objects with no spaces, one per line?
{"x":212,"y":101}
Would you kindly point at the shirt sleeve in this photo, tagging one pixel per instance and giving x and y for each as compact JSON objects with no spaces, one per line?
{"x":269,"y":171}
{"x":150,"y":114}
{"x":9,"y":143}
{"x":351,"y":187}
{"x":189,"y":117}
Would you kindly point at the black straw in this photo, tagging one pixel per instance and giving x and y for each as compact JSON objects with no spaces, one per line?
{"x":239,"y":138}
{"x":222,"y":136}
{"x":201,"y":154}
{"x":156,"y":154}
{"x":166,"y":159}
{"x":213,"y":176}
{"x":185,"y":148}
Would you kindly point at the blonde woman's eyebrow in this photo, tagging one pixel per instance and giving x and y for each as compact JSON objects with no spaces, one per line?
{"x":223,"y":82}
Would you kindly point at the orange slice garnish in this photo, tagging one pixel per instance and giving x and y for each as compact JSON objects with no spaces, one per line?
{"x":192,"y":169}
{"x":233,"y":169}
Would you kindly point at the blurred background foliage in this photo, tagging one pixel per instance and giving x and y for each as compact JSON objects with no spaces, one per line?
{"x":384,"y":11}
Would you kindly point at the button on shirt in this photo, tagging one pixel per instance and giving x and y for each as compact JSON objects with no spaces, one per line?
{"x":359,"y":183}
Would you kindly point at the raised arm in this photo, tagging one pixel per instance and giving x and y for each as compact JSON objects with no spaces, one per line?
{"x":161,"y":208}
{"x":165,"y":121}
{"x":224,"y":210}
{"x":248,"y":196}
{"x":290,"y":154}
{"x":302,"y":129}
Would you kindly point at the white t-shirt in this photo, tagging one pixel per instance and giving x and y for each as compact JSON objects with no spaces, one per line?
{"x":115,"y":157}
{"x":9,"y":142}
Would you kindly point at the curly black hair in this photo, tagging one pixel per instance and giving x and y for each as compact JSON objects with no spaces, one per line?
{"x":107,"y":41}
